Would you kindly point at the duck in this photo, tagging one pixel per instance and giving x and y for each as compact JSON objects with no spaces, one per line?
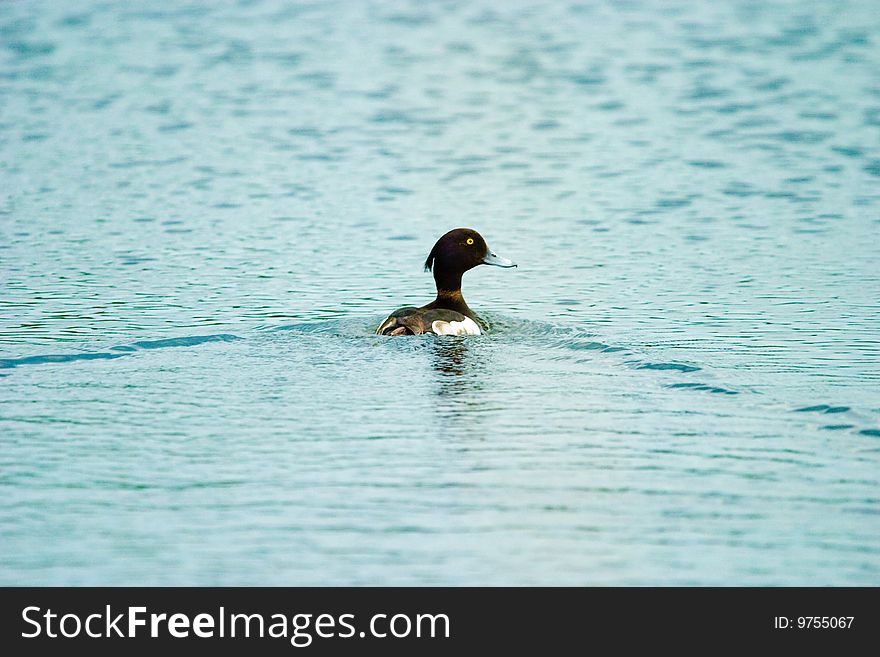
{"x":458,"y":251}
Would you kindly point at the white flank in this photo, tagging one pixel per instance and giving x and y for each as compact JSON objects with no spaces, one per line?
{"x":467,"y":326}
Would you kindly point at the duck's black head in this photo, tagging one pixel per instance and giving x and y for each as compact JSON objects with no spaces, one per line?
{"x":453,"y":254}
{"x":459,"y":250}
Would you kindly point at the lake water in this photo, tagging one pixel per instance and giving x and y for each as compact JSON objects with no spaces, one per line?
{"x":206,"y":209}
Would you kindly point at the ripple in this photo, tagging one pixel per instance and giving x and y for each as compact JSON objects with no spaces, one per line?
{"x":707,"y":164}
{"x":702,"y":387}
{"x":823,"y":408}
{"x":679,"y":367}
{"x":190,"y":341}
{"x":132,"y":164}
{"x":30,"y":49}
{"x":8,"y":363}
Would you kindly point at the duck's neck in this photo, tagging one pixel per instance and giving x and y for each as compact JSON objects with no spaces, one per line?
{"x":449,"y":293}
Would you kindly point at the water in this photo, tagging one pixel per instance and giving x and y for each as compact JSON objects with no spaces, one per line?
{"x":205,"y":210}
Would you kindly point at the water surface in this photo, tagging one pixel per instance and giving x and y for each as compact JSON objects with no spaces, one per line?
{"x":205,"y":210}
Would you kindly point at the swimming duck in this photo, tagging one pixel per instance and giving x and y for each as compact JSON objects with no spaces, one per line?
{"x":453,"y":254}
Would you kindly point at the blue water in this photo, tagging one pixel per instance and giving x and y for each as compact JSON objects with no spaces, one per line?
{"x":206,"y":209}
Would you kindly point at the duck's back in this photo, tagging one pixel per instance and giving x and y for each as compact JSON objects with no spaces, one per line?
{"x":416,"y":321}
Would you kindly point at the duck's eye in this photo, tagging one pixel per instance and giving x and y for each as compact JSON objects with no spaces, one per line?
{"x":470,"y":240}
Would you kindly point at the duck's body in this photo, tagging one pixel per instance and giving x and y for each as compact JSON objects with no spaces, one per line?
{"x":456,"y":252}
{"x":439,"y":321}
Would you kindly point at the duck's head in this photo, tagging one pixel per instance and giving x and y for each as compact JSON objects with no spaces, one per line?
{"x":459,"y":250}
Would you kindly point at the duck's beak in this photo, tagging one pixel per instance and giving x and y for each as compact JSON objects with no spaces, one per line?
{"x":497,"y":260}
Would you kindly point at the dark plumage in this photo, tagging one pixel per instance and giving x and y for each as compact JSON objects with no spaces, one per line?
{"x":455,"y":253}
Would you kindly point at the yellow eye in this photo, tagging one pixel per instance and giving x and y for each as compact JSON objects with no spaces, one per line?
{"x":470,"y":240}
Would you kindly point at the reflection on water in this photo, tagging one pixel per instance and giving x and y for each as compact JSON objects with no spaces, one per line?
{"x":451,"y":358}
{"x":462,"y":372}
{"x":205,"y":210}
